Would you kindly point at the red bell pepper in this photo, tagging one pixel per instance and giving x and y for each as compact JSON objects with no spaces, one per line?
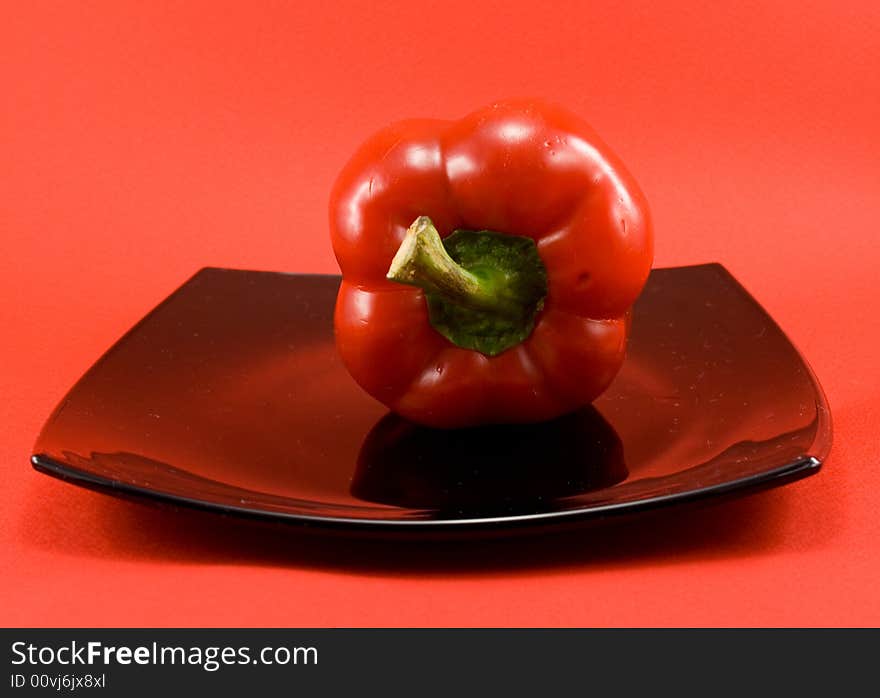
{"x":522,"y":314}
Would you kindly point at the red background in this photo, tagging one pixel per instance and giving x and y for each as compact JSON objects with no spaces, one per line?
{"x":141,"y":141}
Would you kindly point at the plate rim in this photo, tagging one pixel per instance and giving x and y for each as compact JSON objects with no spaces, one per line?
{"x":780,"y":475}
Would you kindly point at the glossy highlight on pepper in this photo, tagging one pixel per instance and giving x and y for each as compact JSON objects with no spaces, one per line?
{"x":516,"y":168}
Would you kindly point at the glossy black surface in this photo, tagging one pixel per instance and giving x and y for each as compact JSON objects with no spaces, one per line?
{"x":487,"y":471}
{"x":229,"y":396}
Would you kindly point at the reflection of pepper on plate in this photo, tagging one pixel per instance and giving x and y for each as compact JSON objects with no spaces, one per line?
{"x":521,"y":312}
{"x":495,"y":470}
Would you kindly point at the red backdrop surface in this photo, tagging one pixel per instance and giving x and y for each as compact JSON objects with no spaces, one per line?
{"x":142,"y":141}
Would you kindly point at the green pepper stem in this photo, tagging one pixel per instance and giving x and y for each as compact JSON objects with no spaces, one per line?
{"x":422,"y":261}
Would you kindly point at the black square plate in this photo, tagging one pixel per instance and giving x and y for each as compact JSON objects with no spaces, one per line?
{"x":229,"y":396}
